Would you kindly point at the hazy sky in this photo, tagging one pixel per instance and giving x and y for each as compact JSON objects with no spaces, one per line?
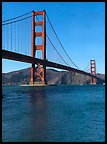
{"x":80,"y":27}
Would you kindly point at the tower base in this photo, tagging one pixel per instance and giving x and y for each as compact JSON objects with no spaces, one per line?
{"x":37,"y":84}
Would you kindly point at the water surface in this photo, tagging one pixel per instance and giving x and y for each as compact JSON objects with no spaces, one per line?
{"x":67,"y":113}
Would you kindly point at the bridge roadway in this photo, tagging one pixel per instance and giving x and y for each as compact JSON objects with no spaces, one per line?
{"x":28,"y":59}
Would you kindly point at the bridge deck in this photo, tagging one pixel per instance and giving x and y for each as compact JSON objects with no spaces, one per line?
{"x":28,"y":59}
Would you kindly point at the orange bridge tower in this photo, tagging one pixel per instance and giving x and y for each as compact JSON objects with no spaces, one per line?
{"x":93,"y":70}
{"x":38,"y":74}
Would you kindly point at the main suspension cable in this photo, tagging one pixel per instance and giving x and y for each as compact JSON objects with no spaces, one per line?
{"x":60,"y":42}
{"x":53,"y":45}
{"x":16,"y":21}
{"x":17,"y":17}
{"x":86,"y":67}
{"x":56,"y":49}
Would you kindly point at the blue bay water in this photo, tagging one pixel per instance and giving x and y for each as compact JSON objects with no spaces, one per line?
{"x":67,"y":113}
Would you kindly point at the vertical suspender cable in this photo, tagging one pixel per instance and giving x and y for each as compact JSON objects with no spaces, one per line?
{"x":7,"y":36}
{"x":30,"y":38}
{"x":18,"y":36}
{"x":3,"y":39}
{"x":15,"y":37}
{"x":24,"y":32}
{"x":11,"y":37}
{"x":27,"y":37}
{"x":21,"y":36}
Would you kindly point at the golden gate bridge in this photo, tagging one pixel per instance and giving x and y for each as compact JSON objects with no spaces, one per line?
{"x":24,"y":36}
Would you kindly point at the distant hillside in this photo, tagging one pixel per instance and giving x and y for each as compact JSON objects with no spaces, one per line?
{"x":53,"y":76}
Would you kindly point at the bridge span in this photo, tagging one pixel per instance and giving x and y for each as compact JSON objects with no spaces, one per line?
{"x":28,"y":59}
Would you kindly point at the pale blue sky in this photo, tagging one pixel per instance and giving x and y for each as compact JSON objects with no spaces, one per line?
{"x":80,"y":27}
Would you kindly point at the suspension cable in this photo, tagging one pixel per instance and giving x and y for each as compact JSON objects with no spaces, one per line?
{"x":15,"y":37}
{"x":60,"y":41}
{"x":16,"y":21}
{"x":7,"y":37}
{"x":11,"y":37}
{"x":4,"y":38}
{"x":86,"y":67}
{"x":56,"y":49}
{"x":17,"y":17}
{"x":18,"y":37}
{"x":53,"y":45}
{"x":28,"y":37}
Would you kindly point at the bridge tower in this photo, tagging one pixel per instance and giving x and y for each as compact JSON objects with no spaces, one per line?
{"x":40,"y":71}
{"x":93,"y":70}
